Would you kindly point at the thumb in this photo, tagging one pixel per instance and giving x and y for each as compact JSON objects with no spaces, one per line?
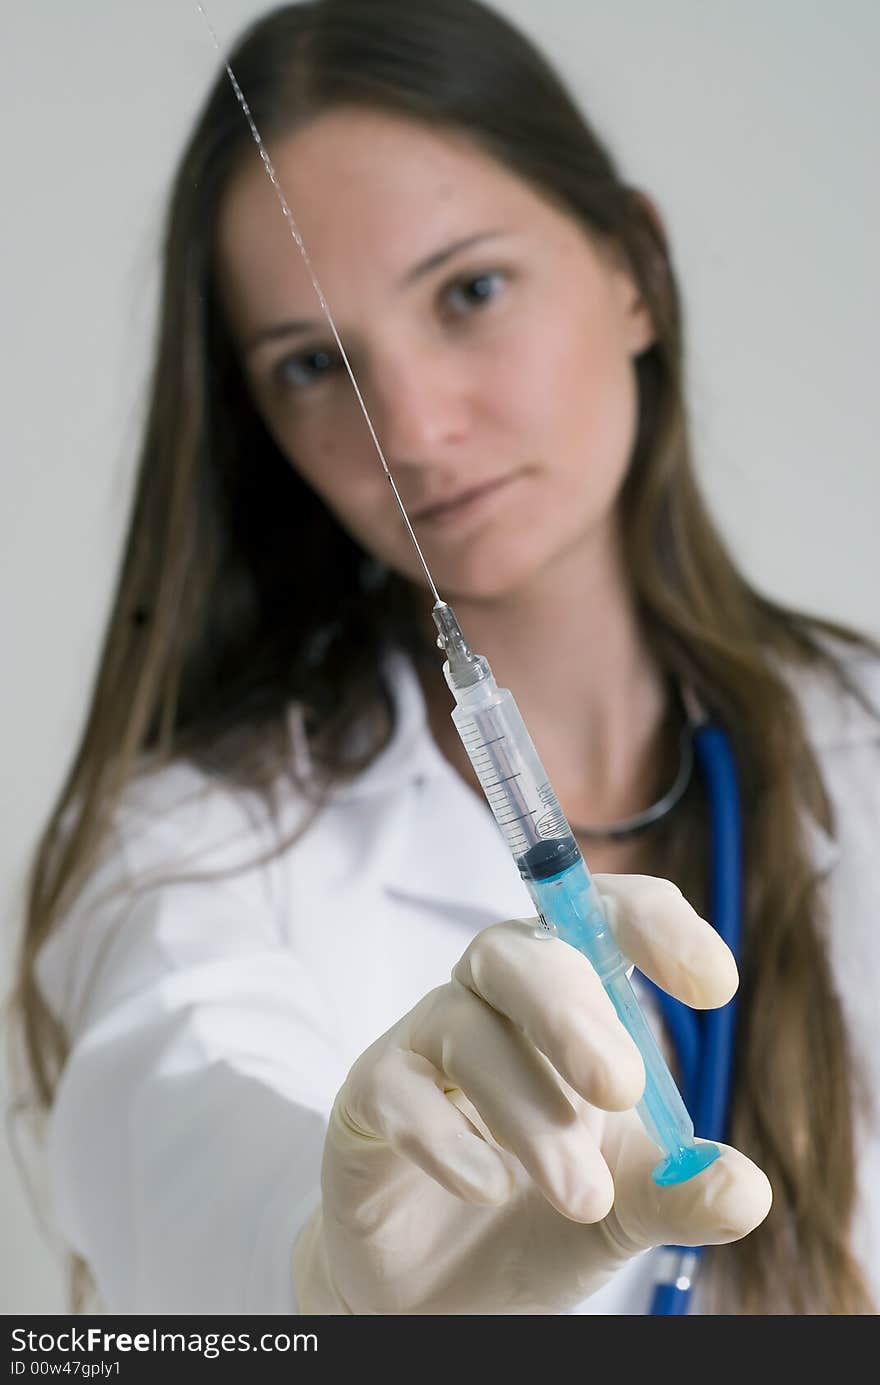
{"x":723,"y":1202}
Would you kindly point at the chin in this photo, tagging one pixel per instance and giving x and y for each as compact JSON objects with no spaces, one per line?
{"x":483,"y":581}
{"x":497,"y":566}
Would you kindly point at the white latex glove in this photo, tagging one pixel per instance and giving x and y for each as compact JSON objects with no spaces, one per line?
{"x":483,"y":1156}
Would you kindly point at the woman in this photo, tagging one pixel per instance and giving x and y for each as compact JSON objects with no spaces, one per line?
{"x":271,"y":852}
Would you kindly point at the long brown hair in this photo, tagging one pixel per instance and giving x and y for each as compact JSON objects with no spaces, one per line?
{"x":209,"y":643}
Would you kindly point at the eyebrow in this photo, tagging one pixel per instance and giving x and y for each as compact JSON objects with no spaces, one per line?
{"x":418,"y":271}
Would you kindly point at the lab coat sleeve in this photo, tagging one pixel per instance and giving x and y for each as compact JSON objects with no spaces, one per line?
{"x":185,"y":1138}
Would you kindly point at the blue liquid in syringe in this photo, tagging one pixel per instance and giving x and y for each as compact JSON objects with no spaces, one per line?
{"x":558,"y":881}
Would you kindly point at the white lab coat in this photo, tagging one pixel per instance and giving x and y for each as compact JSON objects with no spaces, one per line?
{"x":214,"y":1021}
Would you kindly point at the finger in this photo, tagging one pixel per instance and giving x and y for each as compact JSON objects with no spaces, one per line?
{"x":550,"y":992}
{"x":722,"y":1203}
{"x":518,"y":1096}
{"x":400,"y":1099}
{"x":658,"y":929}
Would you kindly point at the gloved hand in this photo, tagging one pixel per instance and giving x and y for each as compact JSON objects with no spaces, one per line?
{"x":483,"y":1156}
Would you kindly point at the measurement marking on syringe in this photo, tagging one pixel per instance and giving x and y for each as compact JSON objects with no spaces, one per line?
{"x":476,"y":739}
{"x":490,"y":783}
{"x":516,"y":818}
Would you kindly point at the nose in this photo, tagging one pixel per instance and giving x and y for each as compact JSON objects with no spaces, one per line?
{"x":419,"y":403}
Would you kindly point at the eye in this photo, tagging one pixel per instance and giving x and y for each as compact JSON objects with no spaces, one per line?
{"x":306,"y":368}
{"x":476,"y":290}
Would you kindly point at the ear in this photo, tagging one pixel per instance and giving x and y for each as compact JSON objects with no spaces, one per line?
{"x":639,"y":326}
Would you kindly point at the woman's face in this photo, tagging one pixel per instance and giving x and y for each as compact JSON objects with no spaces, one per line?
{"x":492,"y":340}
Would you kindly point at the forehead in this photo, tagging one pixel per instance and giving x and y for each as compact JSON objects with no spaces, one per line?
{"x":364,"y":188}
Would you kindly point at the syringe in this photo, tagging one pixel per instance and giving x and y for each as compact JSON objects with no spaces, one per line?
{"x":550,"y":862}
{"x":524,"y":804}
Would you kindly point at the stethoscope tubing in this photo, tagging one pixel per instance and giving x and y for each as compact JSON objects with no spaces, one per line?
{"x":705,"y":1041}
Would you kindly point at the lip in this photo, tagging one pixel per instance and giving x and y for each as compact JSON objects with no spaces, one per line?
{"x":463,"y":502}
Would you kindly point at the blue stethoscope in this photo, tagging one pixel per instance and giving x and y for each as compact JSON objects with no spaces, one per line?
{"x":704,"y":1040}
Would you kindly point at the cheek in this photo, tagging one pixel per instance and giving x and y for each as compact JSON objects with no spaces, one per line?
{"x":570,"y":401}
{"x":339,"y":462}
{"x":323,"y":456}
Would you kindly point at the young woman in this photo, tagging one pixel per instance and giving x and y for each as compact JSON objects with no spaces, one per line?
{"x":266,"y":1094}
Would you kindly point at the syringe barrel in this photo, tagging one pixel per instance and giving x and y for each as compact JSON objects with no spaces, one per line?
{"x":532,"y":822}
{"x":506,"y":763}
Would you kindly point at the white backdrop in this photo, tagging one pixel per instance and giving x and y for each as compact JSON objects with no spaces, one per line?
{"x":754,"y":125}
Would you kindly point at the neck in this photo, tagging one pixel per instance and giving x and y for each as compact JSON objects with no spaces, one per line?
{"x":571,"y":649}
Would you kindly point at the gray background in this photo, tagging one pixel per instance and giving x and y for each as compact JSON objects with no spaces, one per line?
{"x":755,"y":125}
